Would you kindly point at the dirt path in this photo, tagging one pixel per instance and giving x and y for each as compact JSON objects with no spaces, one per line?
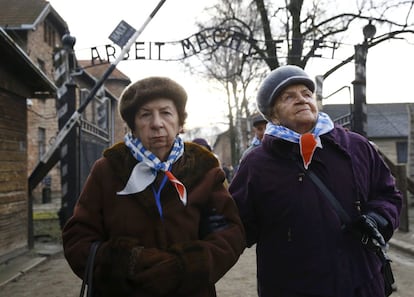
{"x":54,"y":278}
{"x":240,"y":281}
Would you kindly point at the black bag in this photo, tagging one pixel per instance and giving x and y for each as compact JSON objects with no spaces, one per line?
{"x":88,"y":276}
{"x":389,"y":281}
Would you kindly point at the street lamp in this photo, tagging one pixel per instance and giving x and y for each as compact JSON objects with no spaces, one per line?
{"x":369,"y":31}
{"x":359,"y":113}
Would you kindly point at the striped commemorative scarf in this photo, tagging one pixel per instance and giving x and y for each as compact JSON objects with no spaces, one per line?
{"x":308,"y":142}
{"x":145,"y":172}
{"x":255,"y":141}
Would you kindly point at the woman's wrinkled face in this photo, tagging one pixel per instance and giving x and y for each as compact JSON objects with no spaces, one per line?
{"x":157,"y":125}
{"x":296,"y":109}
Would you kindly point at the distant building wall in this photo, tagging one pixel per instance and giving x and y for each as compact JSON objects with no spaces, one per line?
{"x":410,"y":167}
{"x":40,"y":49}
{"x":387,"y":147}
{"x":13,"y":173}
{"x":222,"y":148}
{"x":42,"y":114}
{"x":120,"y":128}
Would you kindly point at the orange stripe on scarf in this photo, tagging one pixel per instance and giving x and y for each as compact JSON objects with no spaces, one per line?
{"x":307,"y":148}
{"x":181,"y":190}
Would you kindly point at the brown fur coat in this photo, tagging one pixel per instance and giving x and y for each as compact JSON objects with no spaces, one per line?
{"x":100,"y":214}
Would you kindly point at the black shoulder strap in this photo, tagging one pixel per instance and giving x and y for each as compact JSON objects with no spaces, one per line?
{"x":88,"y":276}
{"x":330,"y":197}
{"x":343,"y":215}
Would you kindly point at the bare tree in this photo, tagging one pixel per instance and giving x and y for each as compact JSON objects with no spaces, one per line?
{"x":273,"y":33}
{"x":230,"y":64}
{"x":306,"y":30}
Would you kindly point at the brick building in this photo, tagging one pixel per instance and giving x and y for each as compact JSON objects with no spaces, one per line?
{"x":21,"y":79}
{"x":114,"y":84}
{"x":36,"y":31}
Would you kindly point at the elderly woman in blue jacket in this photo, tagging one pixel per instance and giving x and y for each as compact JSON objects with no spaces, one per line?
{"x":302,"y":246}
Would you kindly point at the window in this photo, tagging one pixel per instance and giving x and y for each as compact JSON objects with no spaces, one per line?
{"x":101,"y":113}
{"x":42,"y":65}
{"x":402,"y":151}
{"x":41,"y":141}
{"x":49,"y":34}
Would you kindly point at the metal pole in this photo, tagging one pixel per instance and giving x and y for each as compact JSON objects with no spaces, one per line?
{"x":319,"y":90}
{"x":359,"y":115}
{"x":51,"y":153}
{"x":121,"y":56}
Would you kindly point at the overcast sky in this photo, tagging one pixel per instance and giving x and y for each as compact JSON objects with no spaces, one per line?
{"x":92,"y":21}
{"x":389,"y":65}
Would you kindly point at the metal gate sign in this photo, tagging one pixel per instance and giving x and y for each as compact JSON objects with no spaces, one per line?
{"x":122,"y":33}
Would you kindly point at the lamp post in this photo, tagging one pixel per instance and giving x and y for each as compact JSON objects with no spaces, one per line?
{"x":359,"y":113}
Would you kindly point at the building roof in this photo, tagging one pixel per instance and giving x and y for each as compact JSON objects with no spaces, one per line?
{"x":27,"y":14}
{"x":16,"y":62}
{"x":386,"y":120}
{"x":98,"y":70}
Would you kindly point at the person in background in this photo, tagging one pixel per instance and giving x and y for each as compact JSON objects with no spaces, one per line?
{"x":203,"y":143}
{"x":303,"y":249}
{"x":259,"y":126}
{"x":166,"y":222}
{"x":227,"y":170}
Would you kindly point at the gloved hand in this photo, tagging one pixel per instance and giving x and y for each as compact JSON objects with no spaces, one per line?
{"x":112,"y":267}
{"x":212,"y":222}
{"x":366,"y":227}
{"x":156,"y":271}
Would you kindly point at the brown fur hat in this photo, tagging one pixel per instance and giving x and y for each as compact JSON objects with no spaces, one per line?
{"x":144,"y":90}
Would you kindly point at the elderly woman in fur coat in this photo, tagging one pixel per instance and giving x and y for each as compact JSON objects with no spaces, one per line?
{"x":166,"y":222}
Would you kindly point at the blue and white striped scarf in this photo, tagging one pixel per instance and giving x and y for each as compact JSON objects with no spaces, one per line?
{"x":323,"y":125}
{"x":255,"y":141}
{"x":145,"y":172}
